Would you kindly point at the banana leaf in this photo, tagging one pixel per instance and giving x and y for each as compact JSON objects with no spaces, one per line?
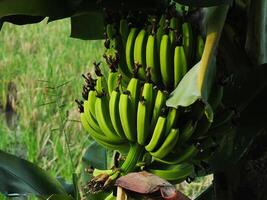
{"x":196,"y":84}
{"x":18,"y":176}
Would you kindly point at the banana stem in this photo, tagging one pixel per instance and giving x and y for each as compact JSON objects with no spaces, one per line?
{"x":135,"y":153}
{"x":216,"y":19}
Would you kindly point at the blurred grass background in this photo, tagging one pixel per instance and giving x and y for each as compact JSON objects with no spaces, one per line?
{"x":42,"y":65}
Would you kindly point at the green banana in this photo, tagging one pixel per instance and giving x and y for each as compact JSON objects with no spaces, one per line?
{"x":172,"y":117}
{"x":173,"y":30}
{"x":129,"y":51}
{"x":171,"y":172}
{"x":166,"y":61}
{"x":187,"y":131}
{"x":180,"y":64}
{"x":124,"y":31}
{"x":158,"y":134}
{"x":134,"y":87}
{"x":103,"y":140}
{"x":197,"y":110}
{"x":187,"y":41}
{"x":202,"y":127}
{"x":140,"y":53}
{"x":180,"y":155}
{"x":111,"y":31}
{"x":200,"y":47}
{"x":114,"y":112}
{"x":152,"y":61}
{"x":91,"y":120}
{"x":160,"y":30}
{"x":101,"y":83}
{"x":91,"y":99}
{"x":168,"y":145}
{"x":135,"y":153}
{"x":127,"y":117}
{"x":216,"y":96}
{"x":103,"y":117}
{"x":144,"y":111}
{"x":127,"y":108}
{"x":160,"y":102}
{"x":113,"y":79}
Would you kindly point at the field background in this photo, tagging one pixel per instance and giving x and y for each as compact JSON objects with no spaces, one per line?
{"x":40,"y":70}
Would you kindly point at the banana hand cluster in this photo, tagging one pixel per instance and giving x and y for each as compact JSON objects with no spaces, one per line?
{"x":166,"y":45}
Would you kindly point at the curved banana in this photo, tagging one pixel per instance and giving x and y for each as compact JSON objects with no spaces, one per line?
{"x":135,"y":153}
{"x":152,"y":61}
{"x":187,"y":131}
{"x":91,"y":120}
{"x":140,"y":53}
{"x":127,"y":107}
{"x":127,"y":117}
{"x":113,"y":78}
{"x":179,"y":156}
{"x":166,"y":61}
{"x":187,"y":40}
{"x":103,"y":118}
{"x":160,"y":102}
{"x":158,"y":134}
{"x":172,"y":117}
{"x":124,"y":31}
{"x":168,"y":145}
{"x":91,"y":99}
{"x":200,"y":47}
{"x":160,"y":30}
{"x":134,"y":88}
{"x":129,"y":51}
{"x":216,"y":96}
{"x":144,"y":112}
{"x":114,"y":112}
{"x":173,"y":30}
{"x":171,"y":172}
{"x":103,"y":140}
{"x":111,"y":31}
{"x":180,"y":64}
{"x":202,"y":128}
{"x":101,"y":84}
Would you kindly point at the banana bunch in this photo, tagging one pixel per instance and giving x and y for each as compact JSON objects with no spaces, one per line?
{"x":166,"y":45}
{"x":127,"y":110}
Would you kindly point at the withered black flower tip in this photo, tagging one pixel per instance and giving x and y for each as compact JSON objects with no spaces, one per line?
{"x":80,"y":105}
{"x":97,"y":69}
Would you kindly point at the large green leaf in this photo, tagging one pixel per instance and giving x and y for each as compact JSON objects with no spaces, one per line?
{"x":95,"y":156}
{"x":88,"y":26}
{"x":22,"y":177}
{"x":55,"y":8}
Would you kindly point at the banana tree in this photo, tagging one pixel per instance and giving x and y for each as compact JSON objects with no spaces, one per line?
{"x":235,"y":39}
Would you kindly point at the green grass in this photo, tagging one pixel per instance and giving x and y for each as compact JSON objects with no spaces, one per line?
{"x":46,"y":65}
